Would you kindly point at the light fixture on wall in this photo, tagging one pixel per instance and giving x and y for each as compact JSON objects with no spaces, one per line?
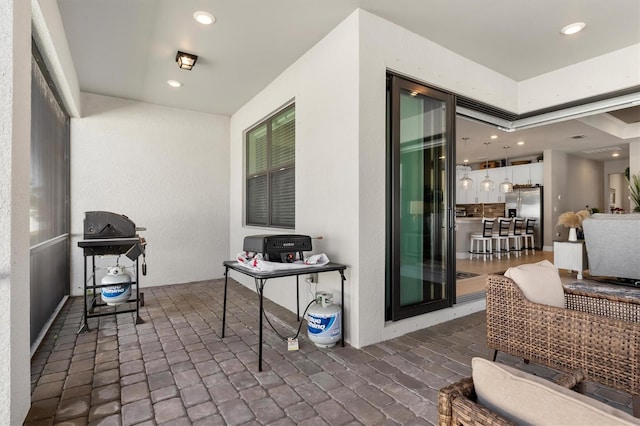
{"x":186,"y":61}
{"x":506,"y":186}
{"x":487,"y":184}
{"x":466,"y":182}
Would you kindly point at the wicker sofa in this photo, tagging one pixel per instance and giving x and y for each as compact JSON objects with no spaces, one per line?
{"x":594,"y":333}
{"x":500,"y":395}
{"x":458,"y":403}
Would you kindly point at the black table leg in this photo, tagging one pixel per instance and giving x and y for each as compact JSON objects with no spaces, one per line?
{"x":224,"y":303}
{"x":138,"y":319}
{"x":342,"y":279}
{"x":85,"y":325}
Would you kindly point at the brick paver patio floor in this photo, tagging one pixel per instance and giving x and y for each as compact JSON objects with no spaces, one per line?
{"x":175,"y":369}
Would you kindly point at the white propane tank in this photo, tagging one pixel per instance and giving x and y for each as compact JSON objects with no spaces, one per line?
{"x":118,"y":282}
{"x":323,"y":321}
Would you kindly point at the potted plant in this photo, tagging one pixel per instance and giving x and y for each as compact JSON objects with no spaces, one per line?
{"x":573,"y":221}
{"x":634,"y":190}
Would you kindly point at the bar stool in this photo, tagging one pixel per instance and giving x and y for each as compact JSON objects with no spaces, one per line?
{"x":515,"y":236}
{"x":501,"y":237}
{"x":483,"y":237}
{"x":528,"y":238}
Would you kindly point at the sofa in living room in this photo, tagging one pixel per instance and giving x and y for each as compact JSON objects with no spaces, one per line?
{"x":613,"y":245}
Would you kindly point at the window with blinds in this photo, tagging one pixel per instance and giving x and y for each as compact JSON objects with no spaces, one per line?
{"x":271,"y":189}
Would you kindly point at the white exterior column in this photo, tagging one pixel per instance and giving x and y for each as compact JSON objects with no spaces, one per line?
{"x":15,"y":119}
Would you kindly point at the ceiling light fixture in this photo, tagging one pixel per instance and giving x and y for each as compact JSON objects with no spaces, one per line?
{"x":615,"y":154}
{"x":204,"y":18}
{"x":506,"y":186}
{"x":494,"y":136}
{"x":520,"y":142}
{"x":466,"y":182}
{"x":487,"y":184}
{"x":573,"y":28}
{"x":186,"y":61}
{"x":174,"y":83}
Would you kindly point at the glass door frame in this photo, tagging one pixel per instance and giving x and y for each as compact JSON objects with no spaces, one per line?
{"x":395,"y":311}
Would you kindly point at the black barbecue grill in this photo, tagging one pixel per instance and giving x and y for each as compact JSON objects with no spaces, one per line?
{"x":107,"y":233}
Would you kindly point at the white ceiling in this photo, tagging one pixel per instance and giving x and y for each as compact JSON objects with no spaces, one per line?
{"x":557,"y":136}
{"x":127,"y":48}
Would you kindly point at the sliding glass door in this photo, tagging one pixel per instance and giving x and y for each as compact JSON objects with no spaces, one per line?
{"x":421,"y":169}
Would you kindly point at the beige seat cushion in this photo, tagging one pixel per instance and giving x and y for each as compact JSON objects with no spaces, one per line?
{"x":529,"y":400}
{"x":539,"y":282}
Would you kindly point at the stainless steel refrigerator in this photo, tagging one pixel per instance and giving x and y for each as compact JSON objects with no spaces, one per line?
{"x":527,"y":203}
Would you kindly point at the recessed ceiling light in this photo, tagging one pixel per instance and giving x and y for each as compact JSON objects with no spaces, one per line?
{"x":466,"y":160}
{"x":573,"y":28}
{"x":494,"y":136}
{"x":520,"y":142}
{"x":174,"y":83}
{"x":205,"y":18}
{"x":615,"y":154}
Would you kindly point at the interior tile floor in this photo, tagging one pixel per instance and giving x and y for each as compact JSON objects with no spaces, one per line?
{"x":175,"y":369}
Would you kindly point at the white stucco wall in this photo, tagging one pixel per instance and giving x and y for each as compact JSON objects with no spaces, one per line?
{"x":324,"y":85}
{"x":165,"y":168}
{"x":15,"y":112}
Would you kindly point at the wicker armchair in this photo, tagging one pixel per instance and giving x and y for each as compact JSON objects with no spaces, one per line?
{"x":457,"y":403}
{"x":597,"y":334}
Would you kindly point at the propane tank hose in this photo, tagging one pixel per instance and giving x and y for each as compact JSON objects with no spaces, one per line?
{"x":299,"y":326}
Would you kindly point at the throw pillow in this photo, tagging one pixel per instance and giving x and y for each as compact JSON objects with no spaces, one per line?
{"x":529,"y":400}
{"x":539,"y":282}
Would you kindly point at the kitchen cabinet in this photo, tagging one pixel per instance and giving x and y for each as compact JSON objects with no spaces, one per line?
{"x":522,"y":174}
{"x":537,"y":173}
{"x":527,"y":174}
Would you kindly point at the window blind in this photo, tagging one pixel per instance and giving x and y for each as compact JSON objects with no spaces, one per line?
{"x":271,"y":171}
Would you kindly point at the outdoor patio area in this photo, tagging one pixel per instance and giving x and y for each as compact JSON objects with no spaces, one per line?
{"x":176,"y":369}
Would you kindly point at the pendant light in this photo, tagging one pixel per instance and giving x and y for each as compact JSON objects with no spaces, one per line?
{"x":487,"y":184}
{"x":466,"y":182}
{"x":506,"y":186}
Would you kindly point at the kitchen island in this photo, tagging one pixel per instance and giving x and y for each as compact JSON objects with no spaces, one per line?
{"x":472,"y":222}
{"x":465,"y":226}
